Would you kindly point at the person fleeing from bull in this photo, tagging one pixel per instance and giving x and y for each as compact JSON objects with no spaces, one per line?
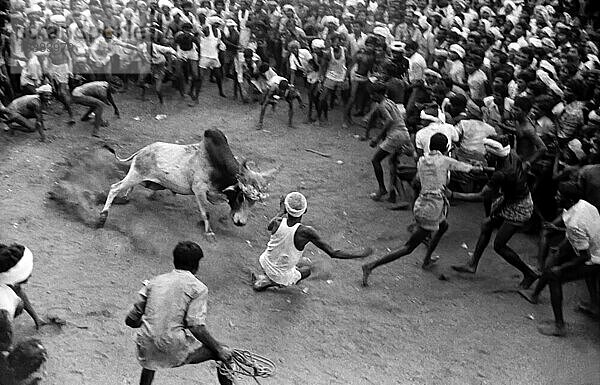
{"x":289,"y":237}
{"x":576,"y":258}
{"x":58,"y":66}
{"x":95,"y":95}
{"x":16,"y":266}
{"x":280,"y":88}
{"x":170,"y":315}
{"x":393,"y":138}
{"x":188,"y":54}
{"x":210,"y":45}
{"x":509,"y":213}
{"x":431,"y":206}
{"x":20,"y":110}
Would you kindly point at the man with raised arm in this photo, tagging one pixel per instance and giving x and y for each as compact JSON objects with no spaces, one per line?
{"x":289,"y":237}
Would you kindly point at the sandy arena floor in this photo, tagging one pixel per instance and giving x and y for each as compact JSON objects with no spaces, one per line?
{"x":408,"y":327}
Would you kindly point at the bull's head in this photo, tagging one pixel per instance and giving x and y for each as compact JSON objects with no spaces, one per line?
{"x":246,"y":192}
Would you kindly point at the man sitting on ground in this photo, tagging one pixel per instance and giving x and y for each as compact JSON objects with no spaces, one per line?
{"x":289,"y":237}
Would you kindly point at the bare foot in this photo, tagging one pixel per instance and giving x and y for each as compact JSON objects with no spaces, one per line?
{"x":527,"y":281}
{"x":464,"y":269}
{"x":210,"y":236}
{"x":428,"y":263}
{"x":377,"y":196}
{"x":366,"y":272}
{"x":553,"y":329}
{"x":528,"y":295}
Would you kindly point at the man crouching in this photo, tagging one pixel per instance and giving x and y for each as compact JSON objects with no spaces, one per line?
{"x":289,"y":237}
{"x":171,"y":316}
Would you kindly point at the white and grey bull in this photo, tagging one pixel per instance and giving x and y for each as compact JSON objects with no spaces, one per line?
{"x":207,"y":170}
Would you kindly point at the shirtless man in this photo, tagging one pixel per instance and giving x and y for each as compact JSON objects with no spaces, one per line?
{"x":26,"y":107}
{"x":393,"y":138}
{"x":279,"y":87}
{"x":188,"y":54}
{"x":94,"y":95}
{"x":58,"y":68}
{"x":359,"y":77}
{"x":334,"y":73}
{"x":289,"y":237}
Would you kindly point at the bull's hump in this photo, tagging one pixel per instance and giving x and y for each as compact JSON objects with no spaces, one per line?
{"x":224,"y":168}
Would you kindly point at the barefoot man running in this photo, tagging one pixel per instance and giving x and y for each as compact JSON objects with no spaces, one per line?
{"x":289,"y":237}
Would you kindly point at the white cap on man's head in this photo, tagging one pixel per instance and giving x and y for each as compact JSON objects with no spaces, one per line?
{"x":295,"y":204}
{"x":45,"y":89}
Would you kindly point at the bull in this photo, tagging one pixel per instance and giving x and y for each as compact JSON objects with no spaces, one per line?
{"x":208,"y":170}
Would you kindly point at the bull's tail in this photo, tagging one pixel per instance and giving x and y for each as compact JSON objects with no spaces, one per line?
{"x":112,"y":150}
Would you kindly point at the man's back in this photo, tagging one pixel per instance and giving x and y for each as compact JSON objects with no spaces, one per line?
{"x":175,"y":300}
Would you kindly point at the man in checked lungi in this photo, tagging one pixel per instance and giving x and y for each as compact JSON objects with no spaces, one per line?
{"x":509,"y":212}
{"x":431,"y":207}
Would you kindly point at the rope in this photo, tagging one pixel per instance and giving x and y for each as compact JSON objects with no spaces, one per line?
{"x":246,"y":363}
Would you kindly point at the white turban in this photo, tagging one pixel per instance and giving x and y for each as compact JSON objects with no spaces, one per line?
{"x":46,"y":88}
{"x":214,"y":20}
{"x":317,"y":44}
{"x":457,"y":49}
{"x":165,"y":3}
{"x":330,"y":19}
{"x":295,"y":204}
{"x":19,"y":272}
{"x":397,"y":46}
{"x":495,"y":148}
{"x":58,"y":19}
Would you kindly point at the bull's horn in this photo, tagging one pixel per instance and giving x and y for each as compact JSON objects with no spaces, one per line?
{"x":230,"y":188}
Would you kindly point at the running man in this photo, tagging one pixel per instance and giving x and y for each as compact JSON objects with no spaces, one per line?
{"x":289,"y":237}
{"x":20,"y":110}
{"x":171,"y":317}
{"x":431,"y":207}
{"x":95,"y":95}
{"x":394,"y":138}
{"x":509,"y":212}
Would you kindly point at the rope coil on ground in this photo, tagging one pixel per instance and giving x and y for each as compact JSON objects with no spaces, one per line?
{"x":246,"y":363}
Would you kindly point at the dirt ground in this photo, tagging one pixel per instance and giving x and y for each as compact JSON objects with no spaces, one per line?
{"x":408,"y":327}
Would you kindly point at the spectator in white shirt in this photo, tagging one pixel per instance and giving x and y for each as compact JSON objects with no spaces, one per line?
{"x":577,"y":259}
{"x":416,"y":62}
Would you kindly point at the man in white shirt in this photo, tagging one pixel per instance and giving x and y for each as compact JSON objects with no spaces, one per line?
{"x":416,"y":62}
{"x":431,"y":118}
{"x":577,"y":258}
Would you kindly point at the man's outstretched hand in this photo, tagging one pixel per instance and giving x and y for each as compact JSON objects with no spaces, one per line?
{"x":224,"y":353}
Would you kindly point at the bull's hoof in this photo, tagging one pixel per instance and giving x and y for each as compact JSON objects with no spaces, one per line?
{"x":102,"y":219}
{"x":121,"y":201}
{"x":210,"y":237}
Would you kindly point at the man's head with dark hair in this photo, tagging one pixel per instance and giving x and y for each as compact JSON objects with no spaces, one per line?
{"x":10,"y":255}
{"x":187,"y":255}
{"x":568,"y":194}
{"x":438,"y":142}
